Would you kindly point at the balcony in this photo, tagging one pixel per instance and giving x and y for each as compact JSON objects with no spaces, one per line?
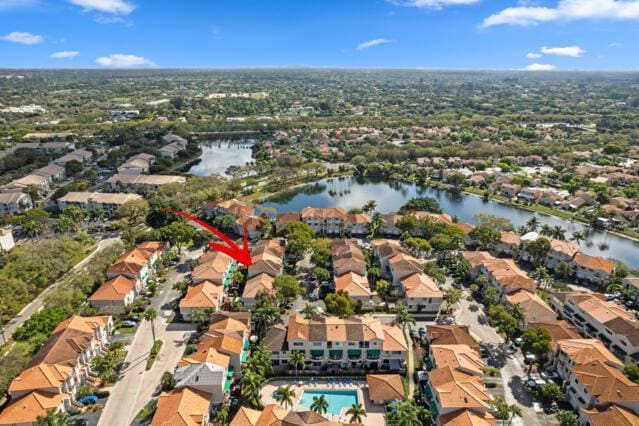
{"x":335,"y":354}
{"x":317,"y":354}
{"x":354,"y":354}
{"x":373,"y":354}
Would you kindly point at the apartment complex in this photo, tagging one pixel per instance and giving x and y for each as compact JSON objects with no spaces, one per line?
{"x":15,"y":203}
{"x":142,"y":184}
{"x":88,"y":201}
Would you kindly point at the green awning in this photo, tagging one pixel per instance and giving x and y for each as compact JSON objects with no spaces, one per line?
{"x":373,"y":352}
{"x":354,"y":352}
{"x":227,"y":385}
{"x":230,"y":371}
{"x":336,"y":352}
{"x":317,"y":352}
{"x":247,"y":345}
{"x":244,"y":356}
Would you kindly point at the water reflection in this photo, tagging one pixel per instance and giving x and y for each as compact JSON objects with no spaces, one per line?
{"x":218,"y":155}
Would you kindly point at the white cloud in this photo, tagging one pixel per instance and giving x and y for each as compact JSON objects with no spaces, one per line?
{"x":22,"y":38}
{"x":566,"y":10}
{"x":431,"y":4}
{"x":614,"y":44}
{"x":119,"y":60}
{"x":540,"y":67}
{"x":532,"y":55}
{"x":15,"y":4}
{"x":65,"y":54}
{"x":118,"y":7}
{"x":572,"y":51}
{"x":372,"y":43}
{"x":101,"y":19}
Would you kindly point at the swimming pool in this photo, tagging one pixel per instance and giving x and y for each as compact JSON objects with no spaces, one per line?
{"x":337,"y":399}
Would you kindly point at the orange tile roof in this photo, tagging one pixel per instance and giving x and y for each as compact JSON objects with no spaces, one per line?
{"x":404,"y":265}
{"x":323,"y":213}
{"x":358,"y":218}
{"x":206,"y":354}
{"x":558,"y":329}
{"x":508,"y":275}
{"x":614,"y":415}
{"x":508,"y":237}
{"x":385,"y":387}
{"x":476,"y":257}
{"x":596,"y":263}
{"x":29,"y":407}
{"x":458,"y":390}
{"x":259,"y":283}
{"x":606,"y":383}
{"x":116,"y":288}
{"x":133,"y":260}
{"x":394,"y":338}
{"x":582,"y":351}
{"x":186,"y":406}
{"x":467,"y":418}
{"x":565,"y":247}
{"x":421,"y":286}
{"x":458,"y":357}
{"x":213,"y":267}
{"x":534,"y":308}
{"x":202,"y":295}
{"x":354,"y":284}
{"x":41,"y":376}
{"x":450,"y":335}
{"x":323,"y":328}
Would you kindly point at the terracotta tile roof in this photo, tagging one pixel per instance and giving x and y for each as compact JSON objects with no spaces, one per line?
{"x":467,"y":418}
{"x":565,"y":247}
{"x":386,"y":249}
{"x":614,"y":415}
{"x":116,"y":288}
{"x":324,"y":213}
{"x":41,"y":376}
{"x":606,"y":383}
{"x":155,"y":246}
{"x":132,"y":261}
{"x":458,"y":390}
{"x":26,"y":409}
{"x":252,"y":222}
{"x":358,"y":218}
{"x":421,"y":286}
{"x":558,"y":329}
{"x":582,"y":351}
{"x":259,"y":283}
{"x":227,"y":342}
{"x":288,"y":217}
{"x":354,"y":284}
{"x":450,"y":335}
{"x":476,"y":258}
{"x":213,"y":267}
{"x":186,"y":406}
{"x":385,"y":387}
{"x":404,"y":265}
{"x":597,"y":263}
{"x":202,"y":295}
{"x":232,"y":206}
{"x":459,"y":357}
{"x":508,"y":237}
{"x":602,"y":311}
{"x":466,"y":227}
{"x":441,"y":217}
{"x":206,"y":354}
{"x":534,"y":308}
{"x":394,"y":338}
{"x":508,"y":275}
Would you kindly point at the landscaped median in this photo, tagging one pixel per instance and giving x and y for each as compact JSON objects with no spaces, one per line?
{"x":155,"y":350}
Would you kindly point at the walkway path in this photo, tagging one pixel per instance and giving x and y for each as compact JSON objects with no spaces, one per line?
{"x":410,"y":364}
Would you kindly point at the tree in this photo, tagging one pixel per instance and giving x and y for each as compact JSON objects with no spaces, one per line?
{"x":542,"y":275}
{"x":452,"y":296}
{"x":178,"y":233}
{"x":438,"y":274}
{"x":503,"y":320}
{"x":578,"y":236}
{"x":75,"y":213}
{"x":369,"y":206}
{"x":546,"y":230}
{"x":73,"y":167}
{"x":266,"y":314}
{"x":505,"y":411}
{"x":533,"y":223}
{"x":201,"y":317}
{"x":564,"y":270}
{"x":550,"y":392}
{"x":299,"y":237}
{"x":559,"y":233}
{"x":150,"y":315}
{"x":407,"y":413}
{"x":319,"y":404}
{"x":632,"y":372}
{"x":296,"y":360}
{"x":381,"y":287}
{"x":321,"y":274}
{"x":536,"y":341}
{"x":426,"y":204}
{"x":538,"y":250}
{"x":485,"y":236}
{"x":135,"y":211}
{"x":356,"y":412}
{"x":402,"y":316}
{"x":250,"y":389}
{"x":222,"y":414}
{"x":321,"y":253}
{"x":309,"y":311}
{"x":32,"y":228}
{"x":284,"y":395}
{"x":490,"y":296}
{"x":167,"y":381}
{"x":287,"y":288}
{"x":567,"y":418}
{"x":53,"y":418}
{"x":495,"y":223}
{"x":340,"y":303}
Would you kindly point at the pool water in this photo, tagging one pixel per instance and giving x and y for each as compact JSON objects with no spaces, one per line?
{"x":337,"y":399}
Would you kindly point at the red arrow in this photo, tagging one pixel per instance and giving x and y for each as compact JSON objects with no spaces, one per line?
{"x":242,"y":255}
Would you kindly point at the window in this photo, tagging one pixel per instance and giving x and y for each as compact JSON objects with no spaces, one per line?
{"x":298,"y":344}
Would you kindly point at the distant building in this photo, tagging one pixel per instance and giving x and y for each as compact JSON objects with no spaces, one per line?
{"x":6,"y":239}
{"x":141,"y":183}
{"x":15,"y":203}
{"x":88,"y":201}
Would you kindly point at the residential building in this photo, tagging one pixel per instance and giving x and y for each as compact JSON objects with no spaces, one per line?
{"x":594,"y":269}
{"x":136,"y":263}
{"x":356,"y":286}
{"x":37,"y":182}
{"x":452,"y":391}
{"x":347,"y":257}
{"x":389,"y":225}
{"x":138,"y":164}
{"x":185,"y":407}
{"x":114,"y":295}
{"x":385,"y":250}
{"x":450,"y":335}
{"x":6,"y":239}
{"x":230,"y":207}
{"x":142,"y":184}
{"x":52,"y":172}
{"x":325,"y":221}
{"x":358,"y":224}
{"x":88,"y":201}
{"x":337,"y":343}
{"x":209,"y":375}
{"x":204,"y":295}
{"x":214,"y":266}
{"x":260,"y":283}
{"x":532,"y":306}
{"x":606,"y":416}
{"x":558,"y":330}
{"x":252,"y":224}
{"x":274,"y":415}
{"x":384,"y":388}
{"x":508,"y":243}
{"x":15,"y":203}
{"x":82,"y":155}
{"x":476,"y":258}
{"x":631,"y":285}
{"x":421,"y":294}
{"x":284,"y":219}
{"x":267,"y":257}
{"x":458,"y":357}
{"x":506,"y":277}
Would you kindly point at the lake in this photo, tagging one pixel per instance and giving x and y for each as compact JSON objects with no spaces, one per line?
{"x":351,"y":192}
{"x":217,"y":156}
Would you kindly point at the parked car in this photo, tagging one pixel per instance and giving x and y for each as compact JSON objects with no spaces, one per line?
{"x":413,"y":334}
{"x":518,"y":341}
{"x":129,"y":323}
{"x":88,"y":400}
{"x":549,"y":375}
{"x":483,"y":351}
{"x":535,"y":383}
{"x":422,"y":332}
{"x":529,"y":358}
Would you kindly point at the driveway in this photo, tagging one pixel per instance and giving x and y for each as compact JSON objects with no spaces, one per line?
{"x":511,"y":366}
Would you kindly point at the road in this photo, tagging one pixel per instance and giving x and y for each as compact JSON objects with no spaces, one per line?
{"x":38,"y":302}
{"x":511,"y":366}
{"x":137,"y":385}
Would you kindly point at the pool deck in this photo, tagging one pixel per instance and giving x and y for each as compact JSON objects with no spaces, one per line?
{"x":375,"y":415}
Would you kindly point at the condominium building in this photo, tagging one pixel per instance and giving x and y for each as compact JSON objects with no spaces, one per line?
{"x":325,"y":221}
{"x":15,"y":203}
{"x":88,"y":201}
{"x":142,"y":184}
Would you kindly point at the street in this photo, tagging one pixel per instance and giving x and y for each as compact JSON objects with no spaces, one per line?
{"x":137,"y":386}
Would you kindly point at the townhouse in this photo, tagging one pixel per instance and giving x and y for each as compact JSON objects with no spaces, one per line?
{"x":450,"y":335}
{"x":347,"y":257}
{"x":260,"y":283}
{"x":214,"y":266}
{"x":593,"y":269}
{"x":356,"y":286}
{"x":384,"y":388}
{"x":631,"y":286}
{"x":138,"y":164}
{"x":532,"y":306}
{"x":56,"y":372}
{"x":385,"y":250}
{"x":230,"y":207}
{"x":508,"y":243}
{"x":88,"y":201}
{"x":35,"y":181}
{"x":325,"y":221}
{"x":267,"y":257}
{"x":599,"y":319}
{"x":475,"y":259}
{"x":283,"y":219}
{"x":558,"y":330}
{"x":612,"y":415}
{"x":275,"y":415}
{"x":459,"y":357}
{"x":336,"y":343}
{"x":81,"y":155}
{"x":252,"y":224}
{"x":115,"y":294}
{"x":358,"y":224}
{"x":15,"y":203}
{"x":136,"y":263}
{"x":506,"y":277}
{"x":204,"y":295}
{"x":184,"y":406}
{"x":52,"y":173}
{"x":389,"y":225}
{"x":142,"y":184}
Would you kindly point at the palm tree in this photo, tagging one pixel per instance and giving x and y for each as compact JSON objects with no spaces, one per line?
{"x":369,"y":206}
{"x":201,"y":317}
{"x":284,"y":396}
{"x":150,"y":315}
{"x":405,"y":413}
{"x":373,"y":274}
{"x":356,"y":412}
{"x":64,"y":225}
{"x":546,"y":230}
{"x":532,"y":224}
{"x":250,"y":388}
{"x":402,"y":316}
{"x":222,"y":414}
{"x":31,"y":227}
{"x":515,"y":411}
{"x":297,"y":360}
{"x":53,"y":418}
{"x":319,"y":404}
{"x":559,"y":233}
{"x":578,"y":236}
{"x":266,"y":316}
{"x":309,"y":311}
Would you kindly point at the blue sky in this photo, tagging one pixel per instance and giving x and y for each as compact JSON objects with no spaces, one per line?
{"x":441,"y":34}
